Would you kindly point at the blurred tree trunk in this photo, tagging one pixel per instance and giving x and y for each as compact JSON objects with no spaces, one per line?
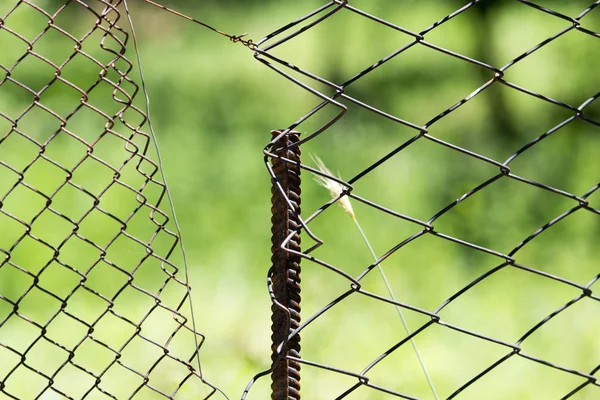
{"x":501,"y":122}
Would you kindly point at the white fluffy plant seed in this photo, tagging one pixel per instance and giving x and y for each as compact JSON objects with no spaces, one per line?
{"x":335,"y":188}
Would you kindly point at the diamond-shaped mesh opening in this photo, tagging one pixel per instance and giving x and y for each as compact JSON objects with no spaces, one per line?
{"x":86,"y":305}
{"x":468,"y":125}
{"x":94,"y":356}
{"x":67,"y":331}
{"x":87,"y":124}
{"x":417,"y":64}
{"x":140,"y":355}
{"x":18,"y":334}
{"x":126,"y":253}
{"x":120,"y":382}
{"x":28,"y":307}
{"x":121,"y":201}
{"x":101,"y":97}
{"x":45,"y":177}
{"x":540,"y":297}
{"x":106,"y":279}
{"x":17,"y":151}
{"x":341,"y":26}
{"x":73,"y":381}
{"x":13,"y":231}
{"x":36,"y":383}
{"x":15,"y":282}
{"x":102,"y":238}
{"x":13,"y":48}
{"x":436,"y":343}
{"x":545,"y":251}
{"x":112,"y":149}
{"x":160,"y":325}
{"x":46,"y":357}
{"x":26,"y":20}
{"x":24,"y":203}
{"x":88,"y":12}
{"x":555,"y":71}
{"x":93,"y":176}
{"x":55,"y":46}
{"x":61,"y":98}
{"x":152,"y":192}
{"x":167,"y":375}
{"x":515,"y":367}
{"x":82,"y":70}
{"x":78,"y":254}
{"x":51,"y":229}
{"x":113,"y":331}
{"x":132,"y":295}
{"x":33,"y":72}
{"x":15,"y":96}
{"x":570,"y":328}
{"x":32,"y":255}
{"x":443,"y":186}
{"x":503,"y":225}
{"x":39,"y":124}
{"x":71,"y":202}
{"x":146,"y":275}
{"x":59,"y":279}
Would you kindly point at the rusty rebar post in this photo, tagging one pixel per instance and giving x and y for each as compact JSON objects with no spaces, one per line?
{"x":285,"y":275}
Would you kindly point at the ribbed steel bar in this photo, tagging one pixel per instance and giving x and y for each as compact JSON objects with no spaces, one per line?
{"x":285,"y":270}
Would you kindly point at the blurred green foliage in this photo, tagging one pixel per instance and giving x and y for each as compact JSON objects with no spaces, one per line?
{"x":213,"y":106}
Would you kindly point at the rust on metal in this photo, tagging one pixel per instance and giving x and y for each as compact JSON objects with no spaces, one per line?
{"x":285,"y":273}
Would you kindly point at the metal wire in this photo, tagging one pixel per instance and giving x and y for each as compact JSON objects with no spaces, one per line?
{"x":121,"y":323}
{"x":340,"y":100}
{"x":234,"y":38}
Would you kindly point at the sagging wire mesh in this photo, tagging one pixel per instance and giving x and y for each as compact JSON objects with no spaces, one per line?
{"x":94,"y":300}
{"x":518,"y":355}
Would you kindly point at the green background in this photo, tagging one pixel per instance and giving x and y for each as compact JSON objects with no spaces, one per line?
{"x":213,"y":106}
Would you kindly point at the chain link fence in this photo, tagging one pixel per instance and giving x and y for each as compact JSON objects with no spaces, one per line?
{"x":338,"y":99}
{"x":87,"y":225}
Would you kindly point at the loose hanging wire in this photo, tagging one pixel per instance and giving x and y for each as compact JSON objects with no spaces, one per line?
{"x":234,"y":38}
{"x":168,"y":191}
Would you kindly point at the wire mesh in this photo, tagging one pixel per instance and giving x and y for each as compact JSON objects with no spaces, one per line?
{"x":86,"y":226}
{"x":334,"y":104}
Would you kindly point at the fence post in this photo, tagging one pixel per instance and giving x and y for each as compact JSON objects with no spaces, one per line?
{"x":285,"y":273}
